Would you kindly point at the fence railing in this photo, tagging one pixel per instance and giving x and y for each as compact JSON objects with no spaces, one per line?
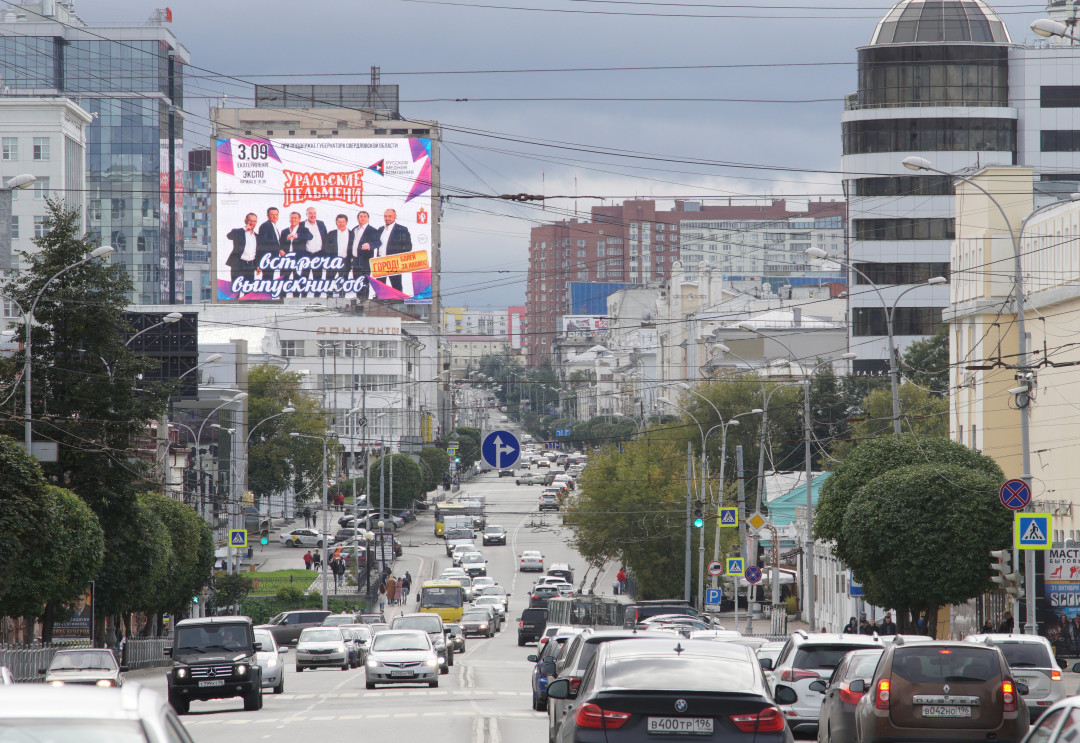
{"x":146,"y":652}
{"x":24,"y":661}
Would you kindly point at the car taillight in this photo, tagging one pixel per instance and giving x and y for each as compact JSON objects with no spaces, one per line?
{"x":795,"y":674}
{"x":521,"y":624}
{"x":848,"y":696}
{"x":590,"y":715}
{"x":881,"y":701}
{"x":768,"y":720}
{"x":575,"y":683}
{"x":1008,"y":696}
{"x":523,"y":559}
{"x":1055,"y":675}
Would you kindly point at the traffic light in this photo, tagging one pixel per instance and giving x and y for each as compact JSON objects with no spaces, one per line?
{"x":699,"y":513}
{"x":1001,"y":564}
{"x":264,"y":533}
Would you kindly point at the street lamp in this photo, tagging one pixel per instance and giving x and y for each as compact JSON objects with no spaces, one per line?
{"x":368,"y":537}
{"x":1047,"y":27}
{"x":100,"y":252}
{"x":894,"y":374}
{"x":198,"y":452}
{"x":168,"y":319}
{"x":12,"y":184}
{"x":326,"y":510}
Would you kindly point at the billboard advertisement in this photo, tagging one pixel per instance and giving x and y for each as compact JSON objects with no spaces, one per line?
{"x":583,"y":325}
{"x":323,"y":218}
{"x":80,"y":625}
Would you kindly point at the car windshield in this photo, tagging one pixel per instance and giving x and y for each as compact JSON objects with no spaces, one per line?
{"x":474,"y":616}
{"x":265,"y":638}
{"x":488,"y":601}
{"x":388,"y":642}
{"x":681,"y":674}
{"x":472,"y":558}
{"x":1026,"y":654}
{"x":494,"y":530}
{"x":821,"y":656}
{"x":317,"y":634}
{"x":938,"y":665}
{"x":336,"y":620}
{"x":212,"y":637}
{"x":492,"y":591}
{"x":96,"y":730}
{"x":83,"y":660}
{"x":863,"y":665}
{"x":424,"y":624}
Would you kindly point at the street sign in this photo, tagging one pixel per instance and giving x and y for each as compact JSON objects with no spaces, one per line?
{"x":500,"y":449}
{"x":854,"y":587}
{"x":562,"y":431}
{"x":757,"y":522}
{"x":735,"y":566}
{"x":551,"y":444}
{"x":713,"y":597}
{"x":753,"y":574}
{"x":728,"y":517}
{"x":1031,"y":531}
{"x":238,"y":538}
{"x":451,"y":451}
{"x":1015,"y":494}
{"x":716,"y":568}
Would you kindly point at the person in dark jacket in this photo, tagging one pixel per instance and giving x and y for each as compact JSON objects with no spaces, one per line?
{"x":1005,"y":626}
{"x":887,"y":626}
{"x":852,"y":627}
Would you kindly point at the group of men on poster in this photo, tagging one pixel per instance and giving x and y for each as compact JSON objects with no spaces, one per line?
{"x":355,"y":245}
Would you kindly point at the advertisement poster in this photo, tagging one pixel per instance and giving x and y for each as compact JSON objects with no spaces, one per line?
{"x":81,"y":624}
{"x":323,"y":218}
{"x":583,"y":325}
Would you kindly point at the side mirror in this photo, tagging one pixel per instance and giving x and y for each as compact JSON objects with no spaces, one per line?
{"x":41,"y":671}
{"x":167,"y":652}
{"x":124,"y":669}
{"x":559,"y":689}
{"x":531,"y":658}
{"x":547,"y":667}
{"x":785,"y":695}
{"x":818,"y":686}
{"x":258,"y":646}
{"x":858,"y":686}
{"x":1022,"y":688}
{"x":283,"y":649}
{"x":1076,"y":668}
{"x":765,"y":663}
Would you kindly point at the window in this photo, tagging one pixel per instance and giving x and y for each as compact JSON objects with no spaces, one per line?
{"x":41,"y":148}
{"x":953,"y":75}
{"x":904,"y":228}
{"x":95,"y":210}
{"x":39,"y":227}
{"x":1058,"y":96}
{"x":14,"y":228}
{"x":871,"y":321}
{"x":931,"y":135}
{"x":600,"y":250}
{"x":905,"y":185}
{"x":1059,"y":140}
{"x":292,"y":348}
{"x":11,"y":148}
{"x":41,"y":188}
{"x":899,"y":273}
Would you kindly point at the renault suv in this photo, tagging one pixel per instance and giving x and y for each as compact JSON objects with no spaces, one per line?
{"x":804,"y":659}
{"x":1032,"y":662}
{"x":942,"y":691}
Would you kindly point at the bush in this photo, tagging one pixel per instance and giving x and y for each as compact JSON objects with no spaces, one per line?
{"x":290,"y":594}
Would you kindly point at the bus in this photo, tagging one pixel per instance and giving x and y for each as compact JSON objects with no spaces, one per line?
{"x":443,"y":598}
{"x":601,"y":612}
{"x":442,"y":510}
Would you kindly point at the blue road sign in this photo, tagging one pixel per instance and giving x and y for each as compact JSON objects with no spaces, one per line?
{"x":238,"y":538}
{"x":729,"y":517}
{"x":854,"y":587}
{"x":562,"y":431}
{"x":500,"y":449}
{"x":753,"y":574}
{"x":735,"y":566}
{"x":1031,"y":531}
{"x":713,"y":596}
{"x":1015,"y":495}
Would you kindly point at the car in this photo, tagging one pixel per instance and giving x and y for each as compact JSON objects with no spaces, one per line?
{"x":87,"y":666}
{"x":459,"y":550}
{"x":377,"y":627}
{"x":681,"y":689}
{"x":214,"y":658}
{"x":433,"y":625}
{"x":638,"y":612}
{"x":564,"y":588}
{"x":807,"y":657}
{"x":527,"y":477}
{"x":361,"y":636}
{"x":494,"y":534}
{"x":531,"y":625}
{"x":544,"y":664}
{"x":539,"y":596}
{"x":561,"y":570}
{"x":301,"y":538}
{"x":907,"y":698}
{"x":495,"y":602}
{"x":477,"y":622}
{"x":456,"y":637}
{"x":271,"y":664}
{"x":481,"y":581}
{"x":842,"y":692}
{"x":499,"y":591}
{"x":352,"y":646}
{"x":402,"y":657}
{"x":506,"y":472}
{"x":549,"y":502}
{"x":474,"y":563}
{"x":543,"y":462}
{"x":1031,"y":658}
{"x":464,"y":581}
{"x":1058,"y":724}
{"x":347,"y":534}
{"x":371,"y":618}
{"x":453,"y":543}
{"x":531,"y":560}
{"x":322,"y":647}
{"x":287,"y":626}
{"x":503,"y":419}
{"x":770,"y":650}
{"x":336,"y":620}
{"x":36,"y":712}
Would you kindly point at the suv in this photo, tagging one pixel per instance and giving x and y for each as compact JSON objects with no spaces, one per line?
{"x":433,"y":625}
{"x":214,"y":658}
{"x":804,"y":659}
{"x":287,"y":626}
{"x":549,"y":502}
{"x":1031,"y":659}
{"x":561,"y":570}
{"x":942,"y":690}
{"x":531,"y":625}
{"x":494,"y":535}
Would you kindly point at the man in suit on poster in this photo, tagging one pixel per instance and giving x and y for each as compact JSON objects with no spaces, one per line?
{"x":268,"y":236}
{"x":294,"y":239}
{"x":316,"y":242}
{"x":338,"y":245}
{"x":365,"y":241}
{"x":396,"y":240}
{"x":243,"y":259}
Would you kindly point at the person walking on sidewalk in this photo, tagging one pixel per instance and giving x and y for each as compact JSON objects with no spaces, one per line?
{"x":405,"y":587}
{"x":316,"y":561}
{"x":307,"y":560}
{"x":382,"y":598}
{"x":307,"y":516}
{"x":391,"y":590}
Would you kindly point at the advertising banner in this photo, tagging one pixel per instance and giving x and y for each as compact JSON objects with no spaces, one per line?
{"x":323,"y":218}
{"x":81,"y":624}
{"x":583,"y":325}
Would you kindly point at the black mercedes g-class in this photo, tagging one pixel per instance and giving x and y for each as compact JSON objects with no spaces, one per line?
{"x":214,"y":658}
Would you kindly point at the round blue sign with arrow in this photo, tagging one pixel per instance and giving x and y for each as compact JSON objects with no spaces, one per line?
{"x":1015,"y":494}
{"x":753,"y":574}
{"x":500,"y":449}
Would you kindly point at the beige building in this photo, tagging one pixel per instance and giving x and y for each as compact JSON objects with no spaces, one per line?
{"x":983,"y":335}
{"x":466,"y":351}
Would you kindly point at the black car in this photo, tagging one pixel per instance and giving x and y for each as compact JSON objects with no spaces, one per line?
{"x":540,"y":595}
{"x":494,"y":535}
{"x":214,"y":658}
{"x":642,"y":610}
{"x":673,"y":687}
{"x":531,"y":625}
{"x":849,"y":681}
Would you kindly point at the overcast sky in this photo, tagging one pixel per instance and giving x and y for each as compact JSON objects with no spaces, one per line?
{"x":759,"y":116}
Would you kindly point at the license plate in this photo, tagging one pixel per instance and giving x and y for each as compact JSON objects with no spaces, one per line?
{"x":680,"y":725}
{"x":401,"y":673}
{"x":212,"y":682}
{"x":945,"y":711}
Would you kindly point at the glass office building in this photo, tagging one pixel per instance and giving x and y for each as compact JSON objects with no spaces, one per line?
{"x":130,"y":78}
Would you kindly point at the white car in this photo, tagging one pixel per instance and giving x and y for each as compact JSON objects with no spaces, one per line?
{"x":402,"y":657}
{"x":270,"y":661}
{"x":459,"y":550}
{"x":302,"y":538}
{"x":1031,"y":658}
{"x":474,"y":563}
{"x":481,"y":581}
{"x":495,"y":602}
{"x":496,"y":591}
{"x":531,"y":560}
{"x":321,"y":647}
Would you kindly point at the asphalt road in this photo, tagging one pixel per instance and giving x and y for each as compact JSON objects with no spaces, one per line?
{"x":484,"y":699}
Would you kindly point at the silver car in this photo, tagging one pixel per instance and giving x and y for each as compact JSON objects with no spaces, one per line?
{"x":402,"y":657}
{"x":1031,"y":658}
{"x":270,"y":661}
{"x":531,"y":560}
{"x":87,"y":666}
{"x":495,"y":602}
{"x":321,"y":647}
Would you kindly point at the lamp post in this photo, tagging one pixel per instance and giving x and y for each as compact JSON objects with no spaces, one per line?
{"x":198,"y":452}
{"x":326,"y":511}
{"x":701,"y":539}
{"x":28,"y":433}
{"x":894,"y":374}
{"x":12,"y":184}
{"x":368,"y":537}
{"x":167,"y":320}
{"x":1025,"y":376}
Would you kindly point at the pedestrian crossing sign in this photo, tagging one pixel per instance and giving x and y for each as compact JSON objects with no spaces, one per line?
{"x":238,"y":538}
{"x":728,"y":517}
{"x":735,"y":566}
{"x":1031,"y":531}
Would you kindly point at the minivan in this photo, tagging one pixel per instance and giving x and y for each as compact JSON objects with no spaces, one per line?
{"x":287,"y":626}
{"x":531,"y":625}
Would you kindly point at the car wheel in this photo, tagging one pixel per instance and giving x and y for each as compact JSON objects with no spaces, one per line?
{"x":537,"y":704}
{"x":319,"y":544}
{"x":253,"y":701}
{"x":182,"y":706}
{"x":346,"y":666}
{"x":434,"y":683}
{"x":280,"y":688}
{"x":299,"y":669}
{"x":370,"y":684}
{"x":444,"y":670}
{"x":449,"y":658}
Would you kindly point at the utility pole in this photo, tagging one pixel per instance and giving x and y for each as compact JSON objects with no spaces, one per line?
{"x":742,"y":532}
{"x":689,"y":497}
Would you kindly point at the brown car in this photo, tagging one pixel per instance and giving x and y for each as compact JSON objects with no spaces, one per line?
{"x":941,"y":691}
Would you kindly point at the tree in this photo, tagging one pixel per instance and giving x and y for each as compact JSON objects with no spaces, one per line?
{"x":76,"y":552}
{"x":926,"y":362}
{"x":408,"y":482}
{"x":468,"y":439}
{"x":190,"y":565}
{"x":138,"y":552}
{"x":915,"y":518}
{"x":23,"y":515}
{"x":923,"y":413}
{"x":433,"y":464}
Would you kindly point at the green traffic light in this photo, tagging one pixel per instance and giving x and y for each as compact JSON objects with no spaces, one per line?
{"x":698,"y":523}
{"x":264,"y":541}
{"x":194,"y":599}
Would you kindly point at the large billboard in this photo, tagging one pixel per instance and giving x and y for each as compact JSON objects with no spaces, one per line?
{"x":323,"y":217}
{"x":578,"y":326}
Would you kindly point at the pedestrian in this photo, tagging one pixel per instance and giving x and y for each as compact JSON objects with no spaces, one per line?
{"x":888,"y":626}
{"x":339,"y":570}
{"x":382,"y":598}
{"x":307,"y":560}
{"x":391,"y":590}
{"x":852,"y":627}
{"x":621,"y":577}
{"x":316,"y":561}
{"x":988,"y":627}
{"x":865,"y":628}
{"x":405,"y":587}
{"x":1005,"y":626}
{"x":307,"y":515}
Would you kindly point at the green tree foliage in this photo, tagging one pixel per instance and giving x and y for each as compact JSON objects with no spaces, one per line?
{"x":408,"y":482}
{"x":138,"y":552}
{"x":231,"y":590}
{"x":23,"y":516}
{"x":277,"y":460}
{"x":433,"y":464}
{"x":599,"y":431}
{"x":190,"y":565}
{"x":468,"y":439}
{"x":926,"y":362}
{"x":923,"y":413}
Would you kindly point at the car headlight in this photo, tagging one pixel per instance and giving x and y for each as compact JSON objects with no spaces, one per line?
{"x":105,"y":682}
{"x":241,"y":669}
{"x":483,"y":626}
{"x":431,"y":662}
{"x":272,"y":661}
{"x":373,"y":663}
{"x":340,"y":649}
{"x":181,"y":673}
{"x":56,"y":683}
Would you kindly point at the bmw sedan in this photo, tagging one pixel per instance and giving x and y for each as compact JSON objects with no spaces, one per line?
{"x":402,"y":657}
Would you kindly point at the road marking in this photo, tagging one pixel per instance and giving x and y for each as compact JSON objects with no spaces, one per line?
{"x":493,"y":730}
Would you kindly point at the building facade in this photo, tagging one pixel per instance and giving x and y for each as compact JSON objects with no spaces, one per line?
{"x":197,"y":286}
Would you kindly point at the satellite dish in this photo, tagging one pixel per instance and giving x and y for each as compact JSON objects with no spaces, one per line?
{"x":646,"y":315}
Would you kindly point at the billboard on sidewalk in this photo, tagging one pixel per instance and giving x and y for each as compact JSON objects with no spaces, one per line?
{"x":323,"y":218}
